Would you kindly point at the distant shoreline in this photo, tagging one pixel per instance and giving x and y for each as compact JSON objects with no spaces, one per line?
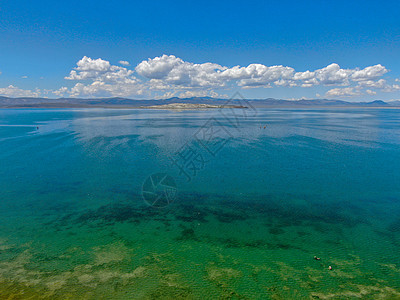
{"x":183,"y":103}
{"x":166,"y":109}
{"x":153,"y":107}
{"x":179,"y":106}
{"x":190,"y":106}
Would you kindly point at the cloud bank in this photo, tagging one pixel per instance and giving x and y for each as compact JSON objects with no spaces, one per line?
{"x":168,"y":75}
{"x":13,"y":91}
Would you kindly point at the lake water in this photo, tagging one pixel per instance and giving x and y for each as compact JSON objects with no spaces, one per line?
{"x":150,"y":204}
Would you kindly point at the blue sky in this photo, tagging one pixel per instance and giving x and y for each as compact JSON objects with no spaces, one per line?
{"x":208,"y":48}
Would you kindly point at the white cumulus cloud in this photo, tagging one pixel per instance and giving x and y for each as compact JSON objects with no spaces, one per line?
{"x":173,"y":70}
{"x":98,"y":69}
{"x":124,"y":63}
{"x":346,"y":92}
{"x":106,"y":79}
{"x":13,"y":91}
{"x":369,"y":73}
{"x":379,"y":84}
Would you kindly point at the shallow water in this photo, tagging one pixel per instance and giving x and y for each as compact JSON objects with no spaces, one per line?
{"x":246,"y":212}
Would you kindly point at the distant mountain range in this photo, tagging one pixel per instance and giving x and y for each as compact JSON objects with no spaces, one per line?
{"x":7,"y":102}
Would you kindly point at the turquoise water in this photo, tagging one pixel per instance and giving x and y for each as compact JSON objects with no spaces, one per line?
{"x":253,"y":205}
